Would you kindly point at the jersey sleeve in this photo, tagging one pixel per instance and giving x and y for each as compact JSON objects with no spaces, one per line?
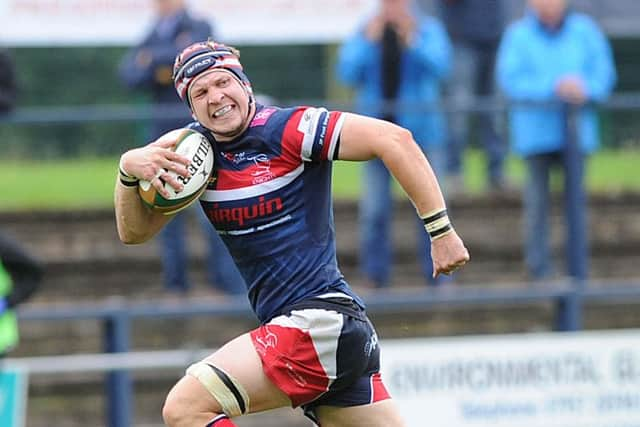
{"x":312,"y":134}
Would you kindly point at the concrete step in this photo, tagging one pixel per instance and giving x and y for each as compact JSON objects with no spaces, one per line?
{"x":85,"y":259}
{"x":489,"y":226}
{"x":488,"y":237}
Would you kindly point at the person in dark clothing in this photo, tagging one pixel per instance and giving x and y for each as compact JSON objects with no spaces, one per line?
{"x":20,"y":273}
{"x":475,"y":28}
{"x":148,"y":66}
{"x":8,"y":83}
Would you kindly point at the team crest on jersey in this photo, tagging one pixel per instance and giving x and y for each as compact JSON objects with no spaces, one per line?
{"x":258,"y":163}
{"x":262,"y":171}
{"x":262,"y":116}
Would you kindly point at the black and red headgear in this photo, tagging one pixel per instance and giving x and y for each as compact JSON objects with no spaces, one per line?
{"x":204,"y":56}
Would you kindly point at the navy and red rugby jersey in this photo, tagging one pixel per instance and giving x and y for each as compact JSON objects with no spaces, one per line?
{"x":270,"y":201}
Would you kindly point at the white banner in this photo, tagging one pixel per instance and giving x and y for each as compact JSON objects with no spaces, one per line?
{"x":588,"y":379}
{"x":123,"y":22}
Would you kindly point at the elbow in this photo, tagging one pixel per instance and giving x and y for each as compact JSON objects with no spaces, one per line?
{"x":130,"y":237}
{"x":134,"y":222}
{"x":402,"y":136}
{"x":126,"y":238}
{"x":398,"y":140}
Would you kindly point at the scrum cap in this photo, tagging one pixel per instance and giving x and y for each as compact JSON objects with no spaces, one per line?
{"x":203,"y":56}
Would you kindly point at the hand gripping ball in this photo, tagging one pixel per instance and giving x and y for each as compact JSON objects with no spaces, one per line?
{"x":195,"y":147}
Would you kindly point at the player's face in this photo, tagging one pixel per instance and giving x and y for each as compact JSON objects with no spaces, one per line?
{"x":220,"y":103}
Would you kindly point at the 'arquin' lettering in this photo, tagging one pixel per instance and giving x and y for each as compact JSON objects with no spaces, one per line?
{"x":241,"y":214}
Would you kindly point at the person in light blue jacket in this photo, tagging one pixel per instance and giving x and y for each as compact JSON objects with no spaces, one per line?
{"x":553,"y":65}
{"x":396,"y":62}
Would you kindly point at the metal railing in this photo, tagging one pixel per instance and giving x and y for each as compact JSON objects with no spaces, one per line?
{"x":65,"y":128}
{"x":626,"y":101}
{"x":116,"y":318}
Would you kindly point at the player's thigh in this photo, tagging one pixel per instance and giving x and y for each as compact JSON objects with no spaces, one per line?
{"x":380,"y":414}
{"x":238,"y":359}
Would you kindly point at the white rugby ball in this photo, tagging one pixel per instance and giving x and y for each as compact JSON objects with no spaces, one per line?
{"x":194,"y":146}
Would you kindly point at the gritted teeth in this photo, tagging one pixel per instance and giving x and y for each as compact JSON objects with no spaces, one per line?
{"x":222,"y":111}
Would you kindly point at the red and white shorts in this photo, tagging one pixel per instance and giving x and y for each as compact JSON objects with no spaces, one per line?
{"x":323,"y":351}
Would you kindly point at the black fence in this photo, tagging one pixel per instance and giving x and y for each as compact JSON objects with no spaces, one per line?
{"x":106,"y":130}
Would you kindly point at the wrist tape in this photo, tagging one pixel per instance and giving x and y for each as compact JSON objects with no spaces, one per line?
{"x":437,"y":223}
{"x":126,"y":179}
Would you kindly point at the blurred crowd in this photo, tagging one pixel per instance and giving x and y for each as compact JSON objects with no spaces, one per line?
{"x":552,"y":65}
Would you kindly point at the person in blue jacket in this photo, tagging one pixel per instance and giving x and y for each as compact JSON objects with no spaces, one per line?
{"x":553,"y":65}
{"x":396,"y":62}
{"x":149,"y":66}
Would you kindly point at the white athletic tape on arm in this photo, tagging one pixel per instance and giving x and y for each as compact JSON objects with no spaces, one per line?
{"x":126,"y":179}
{"x":437,"y":223}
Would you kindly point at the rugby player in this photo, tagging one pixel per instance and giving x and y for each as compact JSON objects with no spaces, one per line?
{"x":269,"y":198}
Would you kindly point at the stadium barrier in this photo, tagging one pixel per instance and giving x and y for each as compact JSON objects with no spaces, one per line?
{"x":129,"y":112}
{"x":87,"y":129}
{"x":619,"y":102}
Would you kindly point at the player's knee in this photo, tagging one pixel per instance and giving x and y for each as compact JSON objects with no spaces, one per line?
{"x":175,"y":412}
{"x":206,"y":391}
{"x":181,"y":407}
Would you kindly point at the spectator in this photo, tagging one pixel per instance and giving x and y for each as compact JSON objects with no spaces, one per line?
{"x":560,"y":58}
{"x":149,"y":66}
{"x":8,"y":84}
{"x":399,"y":57}
{"x":475,"y":28}
{"x":20,"y":275}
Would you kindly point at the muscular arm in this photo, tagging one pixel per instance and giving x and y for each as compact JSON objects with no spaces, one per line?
{"x":363,"y":138}
{"x":137,"y":223}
